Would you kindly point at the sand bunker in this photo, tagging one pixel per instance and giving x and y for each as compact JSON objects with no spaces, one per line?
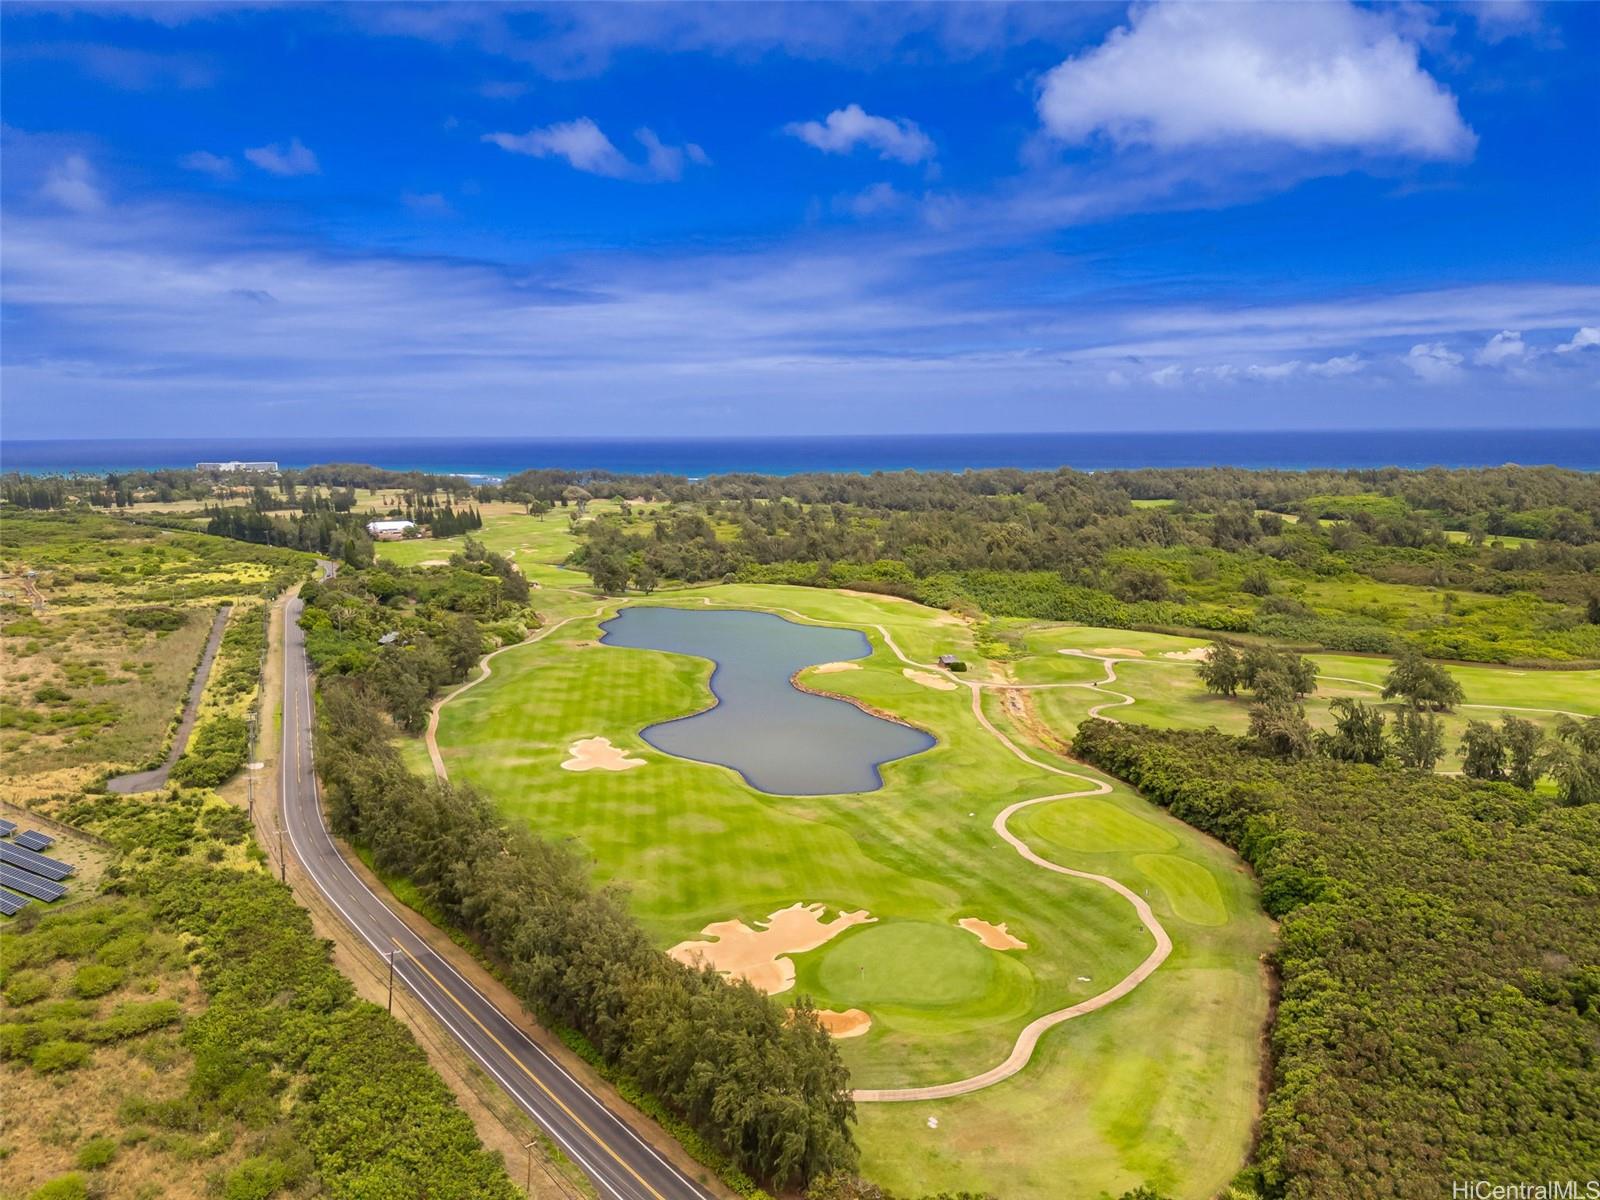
{"x":830,"y":668}
{"x":758,"y":955}
{"x":434,"y":562}
{"x":929,"y":680}
{"x":993,"y":936}
{"x":1117,"y":652}
{"x":598,"y":754}
{"x":1196,"y":654}
{"x":852,"y":1022}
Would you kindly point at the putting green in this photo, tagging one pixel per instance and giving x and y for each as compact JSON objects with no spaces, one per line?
{"x":1095,"y":826}
{"x":908,"y":964}
{"x":1190,"y":888}
{"x":693,"y":844}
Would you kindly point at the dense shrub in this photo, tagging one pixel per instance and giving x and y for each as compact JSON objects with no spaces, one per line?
{"x":336,"y":1097}
{"x":1439,"y":956}
{"x":217,"y":750}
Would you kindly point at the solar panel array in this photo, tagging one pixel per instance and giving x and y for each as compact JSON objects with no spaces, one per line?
{"x":25,"y":870}
{"x":30,"y":885}
{"x":27,"y":860}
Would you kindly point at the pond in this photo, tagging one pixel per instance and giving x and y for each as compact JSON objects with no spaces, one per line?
{"x":782,"y":740}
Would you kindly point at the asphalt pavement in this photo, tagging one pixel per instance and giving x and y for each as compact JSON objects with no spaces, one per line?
{"x":620,"y":1164}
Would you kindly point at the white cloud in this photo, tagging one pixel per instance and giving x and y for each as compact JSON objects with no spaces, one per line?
{"x":1501,"y":349}
{"x":278,"y":159}
{"x":580,"y":142}
{"x":585,"y":147}
{"x":1587,"y":336}
{"x":1167,"y":376}
{"x":1313,"y":76}
{"x":1501,"y":19}
{"x":1272,"y":372}
{"x":71,"y":184}
{"x":1433,"y":362}
{"x":895,"y":139}
{"x":1332,"y":368}
{"x":870,"y":201}
{"x":216,"y":165}
{"x":666,"y":162}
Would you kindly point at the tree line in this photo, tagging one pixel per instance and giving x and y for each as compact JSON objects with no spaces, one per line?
{"x":409,"y":632}
{"x":1439,"y":958}
{"x":1066,"y":546}
{"x":1516,"y":750}
{"x":761,"y":1083}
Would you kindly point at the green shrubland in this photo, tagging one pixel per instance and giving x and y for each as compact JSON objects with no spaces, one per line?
{"x":282,"y":1078}
{"x":1439,"y":956}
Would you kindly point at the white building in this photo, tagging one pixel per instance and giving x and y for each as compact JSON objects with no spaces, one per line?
{"x":390,"y":531}
{"x":236,"y":465}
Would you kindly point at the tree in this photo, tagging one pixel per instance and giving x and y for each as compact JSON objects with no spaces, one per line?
{"x":1220,"y":669}
{"x":1418,"y":739}
{"x":1483,"y":751}
{"x":463,"y":643}
{"x":1278,"y":727}
{"x":1358,"y":734}
{"x":1420,"y":683}
{"x":578,"y":496}
{"x":1573,"y":760}
{"x":1523,"y":740}
{"x":1256,"y":583}
{"x":1271,"y":673}
{"x":1140,"y":583}
{"x":645,"y":578}
{"x":609,"y":570}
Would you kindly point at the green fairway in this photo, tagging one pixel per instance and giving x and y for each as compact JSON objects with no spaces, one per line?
{"x":694,"y":844}
{"x":1168,"y":694}
{"x":535,"y":544}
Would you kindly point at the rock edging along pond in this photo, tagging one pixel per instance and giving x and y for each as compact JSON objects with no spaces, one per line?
{"x":782,"y":739}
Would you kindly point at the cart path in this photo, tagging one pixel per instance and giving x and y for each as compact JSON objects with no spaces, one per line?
{"x":1022,"y":1049}
{"x":484,"y":671}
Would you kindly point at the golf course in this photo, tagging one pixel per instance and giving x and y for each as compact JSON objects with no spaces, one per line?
{"x":1009,"y":946}
{"x":697,"y":846}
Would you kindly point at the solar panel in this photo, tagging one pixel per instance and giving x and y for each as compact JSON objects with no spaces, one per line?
{"x":11,"y":905}
{"x":34,"y":840}
{"x":30,"y":885}
{"x":50,"y":868}
{"x":7,"y":828}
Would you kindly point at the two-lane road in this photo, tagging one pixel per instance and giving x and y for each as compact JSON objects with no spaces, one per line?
{"x":621,"y":1165}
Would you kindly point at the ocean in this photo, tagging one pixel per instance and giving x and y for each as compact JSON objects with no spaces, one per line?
{"x":495,"y":458}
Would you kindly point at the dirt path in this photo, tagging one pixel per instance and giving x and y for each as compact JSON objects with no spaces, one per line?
{"x":484,"y":671}
{"x":1028,"y":1039}
{"x":156,"y":778}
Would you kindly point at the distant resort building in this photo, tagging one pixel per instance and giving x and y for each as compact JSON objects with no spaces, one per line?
{"x":390,"y":531}
{"x":236,"y":465}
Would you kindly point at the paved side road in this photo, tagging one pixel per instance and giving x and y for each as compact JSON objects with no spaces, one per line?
{"x":156,"y":779}
{"x":620,"y":1164}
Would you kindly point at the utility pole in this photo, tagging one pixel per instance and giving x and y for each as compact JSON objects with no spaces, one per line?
{"x":283,"y":865}
{"x":528,"y":1146}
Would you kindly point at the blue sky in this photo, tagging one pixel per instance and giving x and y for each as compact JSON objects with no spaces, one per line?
{"x":238,"y":219}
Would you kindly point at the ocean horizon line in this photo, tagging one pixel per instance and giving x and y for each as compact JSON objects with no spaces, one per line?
{"x":492,"y":457}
